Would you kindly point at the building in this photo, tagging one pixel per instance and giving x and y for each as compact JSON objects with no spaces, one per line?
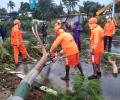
{"x":74,"y":17}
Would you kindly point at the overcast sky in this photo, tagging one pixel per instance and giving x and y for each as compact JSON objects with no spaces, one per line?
{"x":17,"y":2}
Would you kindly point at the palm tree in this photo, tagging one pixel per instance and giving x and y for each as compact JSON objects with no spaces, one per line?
{"x":11,"y":5}
{"x":70,"y":4}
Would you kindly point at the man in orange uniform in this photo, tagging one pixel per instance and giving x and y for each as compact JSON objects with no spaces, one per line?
{"x":96,"y":46}
{"x":17,"y":41}
{"x":69,"y":48}
{"x":109,"y":31}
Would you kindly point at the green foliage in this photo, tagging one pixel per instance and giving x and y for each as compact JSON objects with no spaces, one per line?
{"x":109,"y":55}
{"x":70,"y":4}
{"x":105,"y":61}
{"x":47,"y":10}
{"x":50,"y":27}
{"x":33,"y":52}
{"x":26,"y":25}
{"x":85,"y":26}
{"x":5,"y":65}
{"x":49,"y":96}
{"x":6,"y":24}
{"x":3,"y":53}
{"x":6,"y":52}
{"x":85,"y":90}
{"x":90,"y":7}
{"x":6,"y":44}
{"x":106,"y":55}
{"x":3,"y":11}
{"x":24,"y":6}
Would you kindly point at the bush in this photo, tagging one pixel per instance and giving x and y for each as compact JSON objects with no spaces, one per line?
{"x":7,"y":24}
{"x":50,"y":27}
{"x":85,"y":27}
{"x":33,"y":52}
{"x":85,"y":90}
{"x":101,"y":21}
{"x":26,"y":25}
{"x":6,"y":55}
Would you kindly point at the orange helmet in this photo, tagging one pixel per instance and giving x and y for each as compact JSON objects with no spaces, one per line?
{"x":16,"y":21}
{"x":92,"y":20}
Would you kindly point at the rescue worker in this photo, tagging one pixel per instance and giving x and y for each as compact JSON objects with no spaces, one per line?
{"x":77,"y":29}
{"x":96,"y":46}
{"x":109,"y":31}
{"x":69,"y":48}
{"x":17,"y":42}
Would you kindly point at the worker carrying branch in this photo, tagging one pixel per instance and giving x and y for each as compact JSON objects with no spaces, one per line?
{"x":17,"y":42}
{"x":69,"y":48}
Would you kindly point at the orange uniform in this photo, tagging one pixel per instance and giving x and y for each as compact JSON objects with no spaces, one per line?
{"x":17,"y":43}
{"x":97,"y":43}
{"x":109,"y":28}
{"x":16,"y":37}
{"x":69,"y":47}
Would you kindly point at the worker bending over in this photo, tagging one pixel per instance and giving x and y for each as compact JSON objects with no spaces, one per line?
{"x":69,"y":48}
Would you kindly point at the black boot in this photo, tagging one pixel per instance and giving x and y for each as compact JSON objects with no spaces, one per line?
{"x":92,"y":77}
{"x":99,"y":73}
{"x":67,"y":68}
{"x":80,"y":69}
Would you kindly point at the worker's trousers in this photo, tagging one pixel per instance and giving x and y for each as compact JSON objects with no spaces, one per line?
{"x":108,"y":43}
{"x":17,"y":50}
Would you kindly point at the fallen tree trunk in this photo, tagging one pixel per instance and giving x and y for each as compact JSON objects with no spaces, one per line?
{"x":24,"y":87}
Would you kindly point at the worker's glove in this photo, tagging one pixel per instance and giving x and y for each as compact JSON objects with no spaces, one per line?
{"x":54,"y":56}
{"x":51,"y":55}
{"x":57,"y":54}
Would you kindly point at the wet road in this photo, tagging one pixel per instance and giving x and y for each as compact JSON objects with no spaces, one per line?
{"x":110,"y":86}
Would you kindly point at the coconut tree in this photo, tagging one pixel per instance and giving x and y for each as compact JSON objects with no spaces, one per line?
{"x":70,"y":4}
{"x":48,"y":10}
{"x":11,"y":5}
